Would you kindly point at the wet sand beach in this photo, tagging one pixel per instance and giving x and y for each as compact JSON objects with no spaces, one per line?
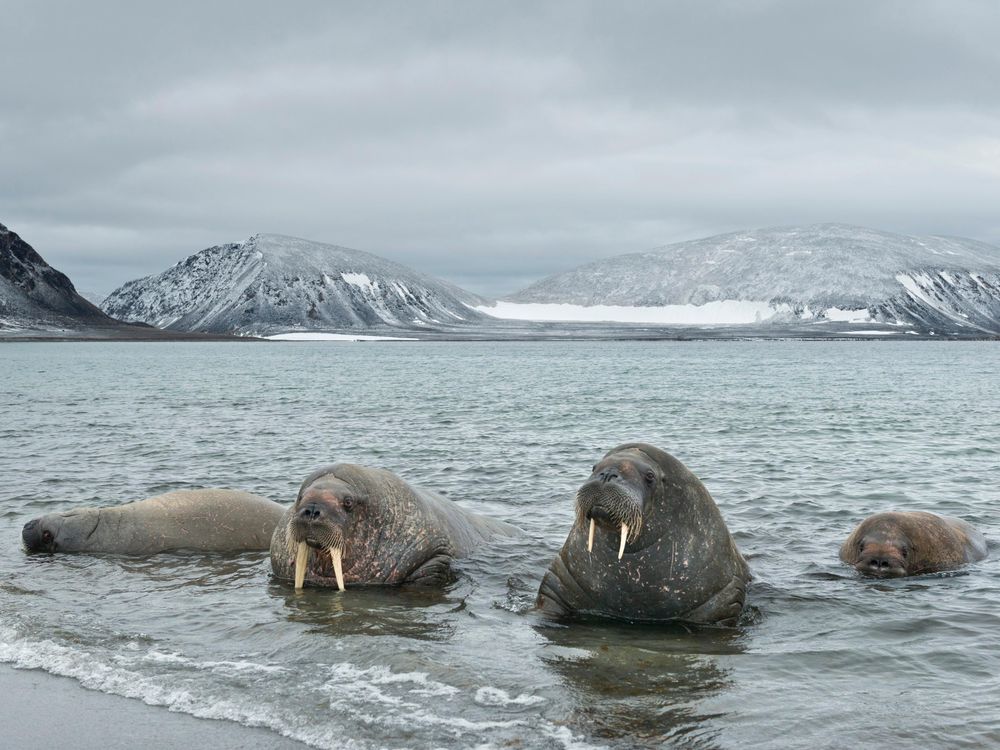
{"x":41,"y":710}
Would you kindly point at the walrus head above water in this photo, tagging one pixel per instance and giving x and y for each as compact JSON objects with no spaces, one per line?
{"x":321,"y":519}
{"x":904,"y":543}
{"x":614,"y":497}
{"x":882,"y":553}
{"x":354,"y":525}
{"x":58,"y":532}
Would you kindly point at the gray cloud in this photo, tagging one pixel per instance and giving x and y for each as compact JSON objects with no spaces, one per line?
{"x":489,"y":144}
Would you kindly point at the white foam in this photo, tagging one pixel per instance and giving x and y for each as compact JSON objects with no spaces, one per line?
{"x":565,"y":737}
{"x":376,"y":696}
{"x":721,"y":312}
{"x":493,"y":696}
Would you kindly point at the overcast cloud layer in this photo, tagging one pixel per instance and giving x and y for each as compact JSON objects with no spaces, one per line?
{"x":490,"y":144}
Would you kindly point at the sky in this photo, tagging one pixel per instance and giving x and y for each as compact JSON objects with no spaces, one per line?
{"x":489,"y":144}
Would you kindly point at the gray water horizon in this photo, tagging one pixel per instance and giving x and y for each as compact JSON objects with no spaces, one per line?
{"x":797,"y":442}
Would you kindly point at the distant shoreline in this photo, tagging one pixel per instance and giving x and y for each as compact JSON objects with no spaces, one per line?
{"x":384,"y":337}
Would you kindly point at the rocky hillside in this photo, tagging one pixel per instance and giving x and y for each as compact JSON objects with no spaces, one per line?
{"x":826,"y":273}
{"x":34,"y":295}
{"x":273,"y":284}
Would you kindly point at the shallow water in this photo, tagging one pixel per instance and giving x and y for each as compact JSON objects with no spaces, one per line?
{"x":797,"y":441}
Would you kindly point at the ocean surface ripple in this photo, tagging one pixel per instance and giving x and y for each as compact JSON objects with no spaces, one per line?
{"x":797,"y":441}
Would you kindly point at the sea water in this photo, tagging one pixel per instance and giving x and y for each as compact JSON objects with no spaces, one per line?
{"x":796,"y":441}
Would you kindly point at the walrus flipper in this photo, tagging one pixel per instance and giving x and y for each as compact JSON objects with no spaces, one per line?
{"x":724,"y":607}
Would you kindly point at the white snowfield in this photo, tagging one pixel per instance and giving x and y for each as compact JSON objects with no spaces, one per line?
{"x":319,"y":336}
{"x":723,"y":312}
{"x":720,"y":313}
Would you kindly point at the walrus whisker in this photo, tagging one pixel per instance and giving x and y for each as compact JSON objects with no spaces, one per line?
{"x":590,"y":536}
{"x":621,"y":546}
{"x":301,"y":560}
{"x":335,"y":554}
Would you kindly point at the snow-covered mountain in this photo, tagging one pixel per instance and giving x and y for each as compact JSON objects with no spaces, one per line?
{"x":273,"y":284}
{"x":34,"y":295}
{"x":816,"y":275}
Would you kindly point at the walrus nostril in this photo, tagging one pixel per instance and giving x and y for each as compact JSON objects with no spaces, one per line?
{"x":607,"y":475}
{"x":310,"y":512}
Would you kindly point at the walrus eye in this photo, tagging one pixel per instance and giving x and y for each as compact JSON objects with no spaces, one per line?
{"x":47,"y":537}
{"x":348,"y":504}
{"x":650,"y":476}
{"x":903,"y":552}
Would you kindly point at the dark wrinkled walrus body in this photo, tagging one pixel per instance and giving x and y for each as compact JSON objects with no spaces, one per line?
{"x":906,"y":543}
{"x":384,"y":530}
{"x":676,"y":561}
{"x":210,"y":520}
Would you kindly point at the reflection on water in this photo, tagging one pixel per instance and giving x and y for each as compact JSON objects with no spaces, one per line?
{"x":796,"y":441}
{"x":642,"y":684}
{"x":403,"y":612}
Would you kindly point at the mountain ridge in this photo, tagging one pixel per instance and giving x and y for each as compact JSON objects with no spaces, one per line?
{"x":34,"y":294}
{"x":273,"y":283}
{"x":802,"y":272}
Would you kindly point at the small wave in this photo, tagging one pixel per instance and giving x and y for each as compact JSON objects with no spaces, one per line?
{"x":388,"y":702}
{"x":493,"y":696}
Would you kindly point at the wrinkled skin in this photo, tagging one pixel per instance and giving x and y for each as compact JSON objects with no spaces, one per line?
{"x":389,"y":531}
{"x":906,"y":543}
{"x":679,"y":563}
{"x":204,"y":520}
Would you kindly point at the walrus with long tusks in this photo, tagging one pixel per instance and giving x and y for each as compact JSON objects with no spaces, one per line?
{"x":210,"y":520}
{"x":907,"y":543}
{"x":648,"y":545}
{"x":354,"y":525}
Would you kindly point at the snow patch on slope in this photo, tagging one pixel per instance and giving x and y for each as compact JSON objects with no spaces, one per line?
{"x":722,"y":312}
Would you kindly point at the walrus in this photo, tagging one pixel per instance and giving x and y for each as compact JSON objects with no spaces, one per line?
{"x":209,"y":520}
{"x":355,"y":525}
{"x":907,"y":543}
{"x":648,"y":545}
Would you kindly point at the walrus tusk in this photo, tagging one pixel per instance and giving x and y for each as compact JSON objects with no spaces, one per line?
{"x":621,"y":547}
{"x":590,"y":536}
{"x":301,"y":559}
{"x":337,"y":568}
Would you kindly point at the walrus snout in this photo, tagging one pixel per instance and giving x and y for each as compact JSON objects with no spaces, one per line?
{"x":883,"y":566}
{"x":311,"y":512}
{"x":612,"y":503}
{"x":598,"y":514}
{"x":35,"y":538}
{"x":608,"y":474}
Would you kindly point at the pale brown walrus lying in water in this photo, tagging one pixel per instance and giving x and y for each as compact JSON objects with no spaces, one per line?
{"x":907,"y":543}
